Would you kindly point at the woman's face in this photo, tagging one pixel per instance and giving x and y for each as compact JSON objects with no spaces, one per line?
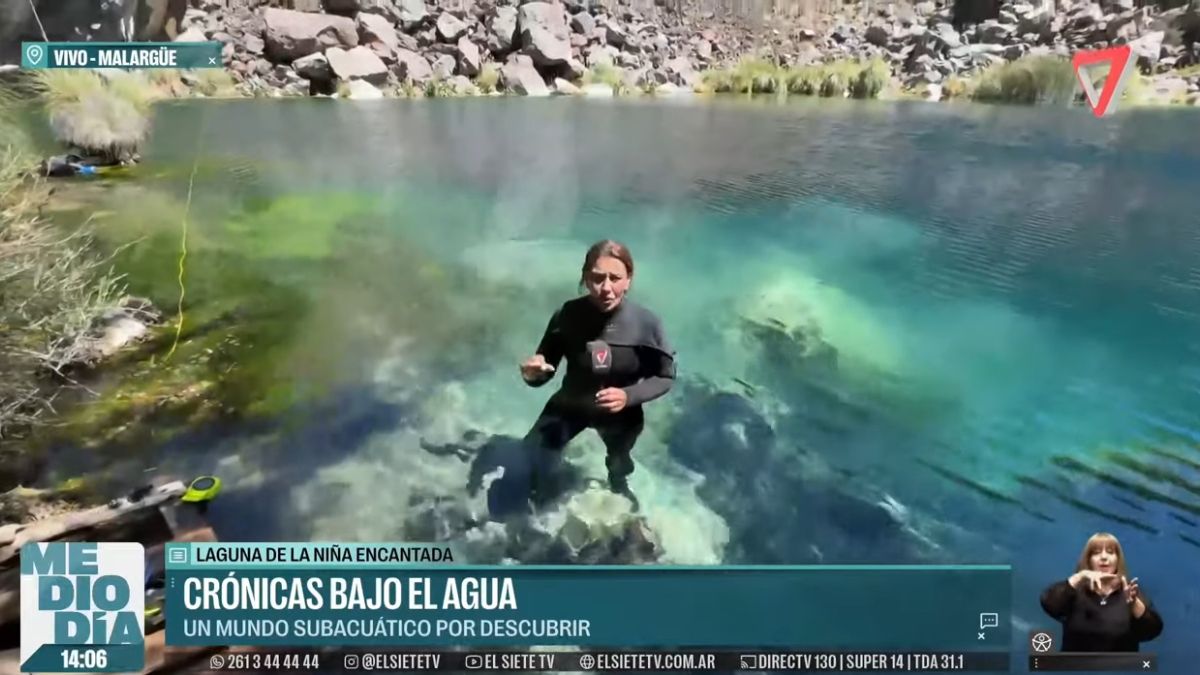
{"x":1104,"y":559}
{"x":607,"y":282}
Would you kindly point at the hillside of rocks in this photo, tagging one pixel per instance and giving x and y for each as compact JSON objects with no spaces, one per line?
{"x":376,"y":47}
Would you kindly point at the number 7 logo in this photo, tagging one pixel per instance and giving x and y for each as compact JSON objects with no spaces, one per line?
{"x":1121,"y":62}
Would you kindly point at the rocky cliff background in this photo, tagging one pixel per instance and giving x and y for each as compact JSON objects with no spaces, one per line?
{"x":300,"y":47}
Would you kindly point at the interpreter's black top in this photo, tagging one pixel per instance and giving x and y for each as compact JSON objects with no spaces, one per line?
{"x":642,"y":361}
{"x":1089,"y":626}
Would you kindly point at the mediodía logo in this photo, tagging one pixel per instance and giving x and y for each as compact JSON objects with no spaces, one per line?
{"x":82,"y":607}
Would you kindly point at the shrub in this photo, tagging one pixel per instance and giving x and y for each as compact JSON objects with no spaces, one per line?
{"x":606,"y":73}
{"x":1029,"y":80}
{"x":488,"y":80}
{"x":53,"y":287}
{"x":871,"y":80}
{"x":105,"y":115}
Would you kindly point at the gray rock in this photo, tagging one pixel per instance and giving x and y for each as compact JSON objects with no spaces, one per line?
{"x":1148,"y":49}
{"x":520,"y":77}
{"x":463,"y":85}
{"x":583,"y":23}
{"x":574,"y":68}
{"x":363,"y":90}
{"x":544,"y":48}
{"x":314,"y":67}
{"x":192,"y":35}
{"x":704,"y":50}
{"x":450,"y":28}
{"x":341,"y":6}
{"x":412,"y":67}
{"x":1014,"y":52}
{"x":614,"y":36}
{"x":407,"y":42}
{"x":384,"y":8}
{"x":469,"y":60}
{"x":946,"y":35}
{"x":599,"y":55}
{"x":443,"y":67}
{"x":1035,"y":21}
{"x":878,"y":35}
{"x":359,"y":63}
{"x":564,"y":87}
{"x":680,"y":71}
{"x":254,"y":44}
{"x":502,"y":25}
{"x":411,"y":13}
{"x":291,"y":35}
{"x":993,"y":31}
{"x":544,"y":15}
{"x":374,"y":28}
{"x":544,"y":34}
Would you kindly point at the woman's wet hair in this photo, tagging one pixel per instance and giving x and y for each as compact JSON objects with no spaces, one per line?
{"x":1096,"y":542}
{"x":606,"y":248}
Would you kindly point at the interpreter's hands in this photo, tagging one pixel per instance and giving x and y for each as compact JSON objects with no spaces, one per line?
{"x":1099,"y":582}
{"x":535,"y":368}
{"x":1131,"y":589}
{"x":612,"y":399}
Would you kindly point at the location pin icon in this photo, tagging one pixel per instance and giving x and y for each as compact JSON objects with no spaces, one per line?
{"x":33,"y":54}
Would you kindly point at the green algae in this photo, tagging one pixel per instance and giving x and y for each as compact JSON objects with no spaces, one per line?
{"x":297,"y":227}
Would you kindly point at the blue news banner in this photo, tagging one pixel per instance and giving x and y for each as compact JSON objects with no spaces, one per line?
{"x":374,"y":604}
{"x":121,"y":55}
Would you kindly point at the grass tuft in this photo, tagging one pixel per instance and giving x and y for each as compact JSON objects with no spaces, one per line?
{"x":102,"y":114}
{"x":1028,"y":80}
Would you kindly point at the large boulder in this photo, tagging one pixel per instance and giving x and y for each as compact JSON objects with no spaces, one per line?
{"x":412,"y":67}
{"x":1148,"y":49}
{"x":469,"y":61}
{"x":314,"y":67}
{"x":544,"y":33}
{"x":411,"y":13}
{"x":363,"y":90}
{"x":359,"y":63}
{"x":502,"y":30}
{"x":450,"y":28}
{"x":520,"y":77}
{"x":376,"y":31}
{"x":290,"y":35}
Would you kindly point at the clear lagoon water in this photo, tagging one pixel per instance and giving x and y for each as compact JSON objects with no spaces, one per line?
{"x":1013,"y":296}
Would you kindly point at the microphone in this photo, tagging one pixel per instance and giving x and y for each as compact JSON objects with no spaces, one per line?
{"x":601,"y":355}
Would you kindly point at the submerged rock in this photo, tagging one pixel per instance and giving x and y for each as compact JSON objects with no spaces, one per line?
{"x":784,"y":504}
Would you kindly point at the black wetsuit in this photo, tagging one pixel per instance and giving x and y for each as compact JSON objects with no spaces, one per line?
{"x":1089,"y":626}
{"x":626,"y":349}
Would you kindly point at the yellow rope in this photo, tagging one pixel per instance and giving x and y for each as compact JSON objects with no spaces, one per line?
{"x":183,"y":243}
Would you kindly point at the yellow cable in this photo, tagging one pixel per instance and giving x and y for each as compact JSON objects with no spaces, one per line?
{"x":183,"y":243}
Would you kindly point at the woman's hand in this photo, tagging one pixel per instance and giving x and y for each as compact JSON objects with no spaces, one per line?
{"x":612,"y":399}
{"x":1098,"y":582}
{"x":1133,"y":596}
{"x":535,"y":368}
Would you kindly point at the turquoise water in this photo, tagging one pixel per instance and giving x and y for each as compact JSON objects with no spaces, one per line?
{"x":1013,"y":296}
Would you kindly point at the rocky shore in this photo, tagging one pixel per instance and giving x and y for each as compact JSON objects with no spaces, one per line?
{"x":371,"y":48}
{"x":374,"y":48}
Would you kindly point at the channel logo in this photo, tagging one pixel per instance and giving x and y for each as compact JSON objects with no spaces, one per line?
{"x":82,"y":607}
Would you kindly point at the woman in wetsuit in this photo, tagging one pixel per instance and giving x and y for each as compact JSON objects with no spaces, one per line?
{"x":1100,"y":607}
{"x":618,"y":359}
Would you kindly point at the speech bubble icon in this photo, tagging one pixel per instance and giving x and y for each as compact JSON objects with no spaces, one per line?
{"x":989,"y":620}
{"x":34,"y":54}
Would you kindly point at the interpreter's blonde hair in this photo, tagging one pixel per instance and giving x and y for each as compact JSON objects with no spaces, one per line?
{"x":1098,"y":541}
